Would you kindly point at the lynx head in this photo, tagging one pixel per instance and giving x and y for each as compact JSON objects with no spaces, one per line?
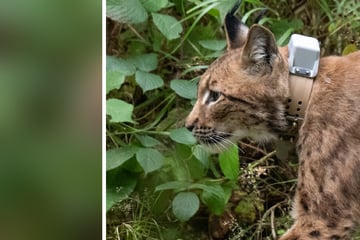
{"x":243,"y":93}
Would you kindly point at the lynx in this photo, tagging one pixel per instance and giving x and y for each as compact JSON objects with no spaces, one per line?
{"x":244,"y":93}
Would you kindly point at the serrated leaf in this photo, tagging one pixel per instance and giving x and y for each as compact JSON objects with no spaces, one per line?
{"x":182,"y":135}
{"x":117,"y":156}
{"x":120,"y":111}
{"x":154,"y":5}
{"x":114,"y":80}
{"x":214,"y":197}
{"x":148,"y":81}
{"x":148,"y":141}
{"x":172,"y":185}
{"x":215,"y":45}
{"x":167,"y":25}
{"x":180,"y":170}
{"x":202,"y":155}
{"x":116,"y":70}
{"x":119,"y":65}
{"x":229,"y":163}
{"x":144,"y":62}
{"x":185,"y":205}
{"x":184,"y":88}
{"x":126,"y":11}
{"x":149,"y":159}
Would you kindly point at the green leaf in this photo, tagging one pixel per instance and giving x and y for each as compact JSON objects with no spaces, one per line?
{"x":349,"y":49}
{"x":167,"y":25}
{"x":126,"y":11}
{"x":119,"y":65}
{"x":148,"y":81}
{"x":119,"y":110}
{"x":283,"y":28}
{"x":149,"y":159}
{"x":223,"y":7}
{"x":114,"y":80}
{"x":172,"y":185}
{"x":229,"y":163}
{"x":117,"y":156}
{"x":144,"y":62}
{"x":185,"y":205}
{"x":181,"y":159}
{"x":215,"y":45}
{"x":184,"y":88}
{"x":132,"y":165}
{"x":119,"y":185}
{"x":154,"y":5}
{"x":148,"y":141}
{"x":116,"y":70}
{"x":182,"y":135}
{"x":214,"y":197}
{"x":202,"y":155}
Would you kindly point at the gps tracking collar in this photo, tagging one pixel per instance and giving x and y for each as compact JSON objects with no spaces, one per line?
{"x":304,"y":56}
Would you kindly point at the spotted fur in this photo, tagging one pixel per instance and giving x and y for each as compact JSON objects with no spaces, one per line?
{"x":244,"y":93}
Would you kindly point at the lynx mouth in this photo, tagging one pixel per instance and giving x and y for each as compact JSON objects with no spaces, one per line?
{"x":207,"y":136}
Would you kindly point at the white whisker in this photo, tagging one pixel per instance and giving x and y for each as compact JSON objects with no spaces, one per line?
{"x":228,"y":141}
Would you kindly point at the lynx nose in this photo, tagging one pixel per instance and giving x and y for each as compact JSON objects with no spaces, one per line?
{"x":190,"y":124}
{"x":190,"y":127}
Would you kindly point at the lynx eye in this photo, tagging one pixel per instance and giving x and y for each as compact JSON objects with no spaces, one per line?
{"x":212,"y":96}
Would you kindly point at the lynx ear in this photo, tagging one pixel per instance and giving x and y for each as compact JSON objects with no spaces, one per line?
{"x":260,"y":49}
{"x":236,"y":31}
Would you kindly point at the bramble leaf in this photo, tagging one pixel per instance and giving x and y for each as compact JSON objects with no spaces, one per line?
{"x":154,"y":5}
{"x":148,"y":81}
{"x":182,"y":135}
{"x":185,"y":205}
{"x":201,"y":154}
{"x":126,"y":11}
{"x":119,"y":110}
{"x":184,"y":88}
{"x":148,"y":141}
{"x":167,"y":25}
{"x":117,"y":156}
{"x":149,"y":159}
{"x":144,"y":62}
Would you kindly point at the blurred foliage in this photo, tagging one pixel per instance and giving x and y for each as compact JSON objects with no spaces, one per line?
{"x":156,"y":51}
{"x":50,"y":90}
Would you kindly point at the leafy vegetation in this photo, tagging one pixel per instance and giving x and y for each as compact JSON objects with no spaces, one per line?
{"x":160,"y":183}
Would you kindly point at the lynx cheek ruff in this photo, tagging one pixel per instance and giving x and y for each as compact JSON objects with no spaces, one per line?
{"x":304,"y":55}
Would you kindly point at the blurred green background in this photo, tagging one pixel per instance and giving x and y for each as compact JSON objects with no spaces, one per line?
{"x":50,"y":120}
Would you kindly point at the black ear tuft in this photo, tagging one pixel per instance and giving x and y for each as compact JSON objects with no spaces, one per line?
{"x":236,"y":31}
{"x":260,"y":15}
{"x":234,"y":9}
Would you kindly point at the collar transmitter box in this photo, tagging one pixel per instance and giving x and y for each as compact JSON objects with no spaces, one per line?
{"x":304,"y":55}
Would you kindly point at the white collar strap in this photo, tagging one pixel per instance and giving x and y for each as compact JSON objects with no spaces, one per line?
{"x":300,"y":91}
